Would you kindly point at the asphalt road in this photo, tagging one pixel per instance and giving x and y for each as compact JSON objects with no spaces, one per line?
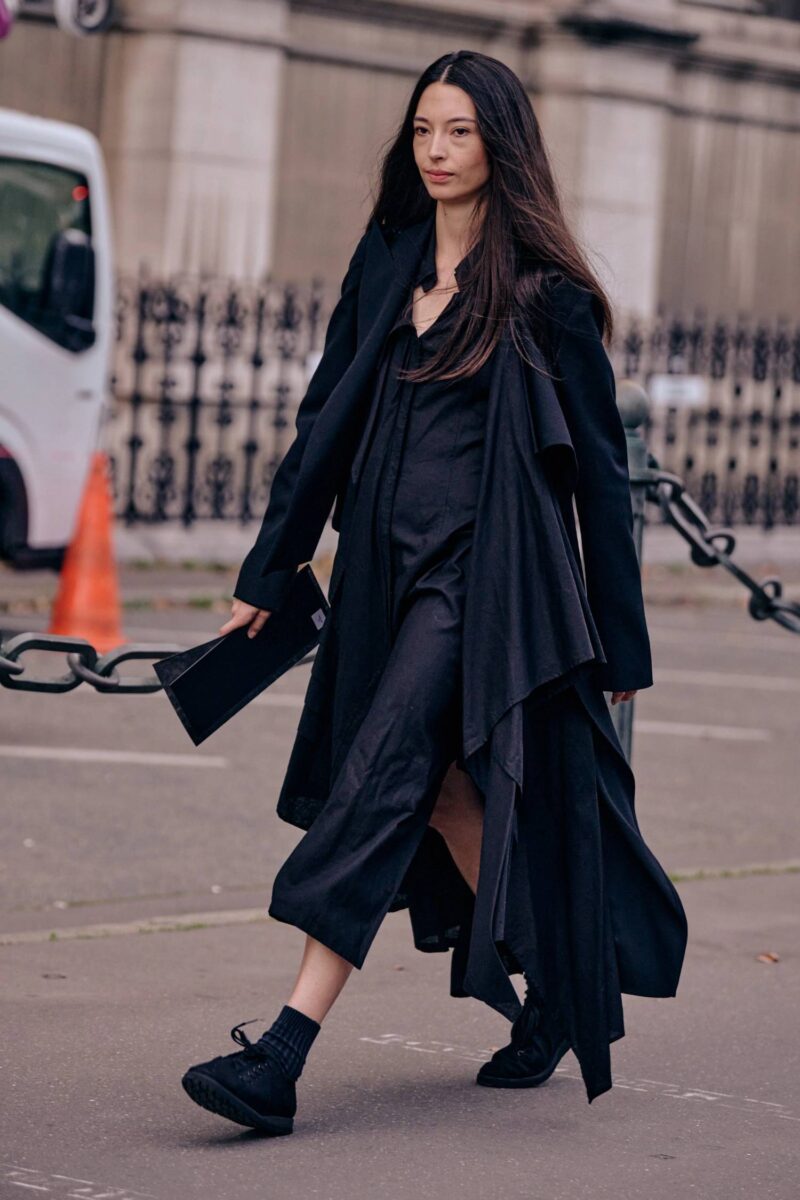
{"x":135,"y":874}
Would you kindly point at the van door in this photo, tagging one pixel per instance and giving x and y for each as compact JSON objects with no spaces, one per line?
{"x":52,"y":361}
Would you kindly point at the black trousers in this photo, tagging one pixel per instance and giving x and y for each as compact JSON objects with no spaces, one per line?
{"x":339,"y":881}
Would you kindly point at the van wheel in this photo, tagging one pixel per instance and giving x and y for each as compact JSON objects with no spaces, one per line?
{"x":14,"y":548}
{"x":46,"y":558}
{"x":13,"y":509}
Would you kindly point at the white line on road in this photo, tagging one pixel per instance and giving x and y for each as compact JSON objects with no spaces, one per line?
{"x":39,"y":1181}
{"x":280,"y":699}
{"x":679,"y":634}
{"x":675,"y":1091}
{"x":670,"y":675}
{"x":267,"y":699}
{"x":139,"y":758}
{"x":179,"y":922}
{"x":712,"y":641}
{"x":723,"y":733}
{"x":174,"y":924}
{"x":726,"y":679}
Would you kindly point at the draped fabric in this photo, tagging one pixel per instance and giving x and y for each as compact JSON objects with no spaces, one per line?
{"x":568,"y":889}
{"x":566,"y":878}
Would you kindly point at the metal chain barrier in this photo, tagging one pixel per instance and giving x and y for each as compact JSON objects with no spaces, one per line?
{"x":711,"y":546}
{"x":83,"y":664}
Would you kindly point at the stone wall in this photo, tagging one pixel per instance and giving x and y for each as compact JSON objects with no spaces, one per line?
{"x":245,"y":137}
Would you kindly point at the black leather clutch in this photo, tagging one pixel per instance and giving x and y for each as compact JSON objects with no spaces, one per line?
{"x":209,"y":683}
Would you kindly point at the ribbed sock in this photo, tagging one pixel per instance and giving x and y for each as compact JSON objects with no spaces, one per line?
{"x":532,"y":990}
{"x":289,"y":1038}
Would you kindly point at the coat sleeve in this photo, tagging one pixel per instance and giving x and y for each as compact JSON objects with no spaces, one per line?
{"x":269,"y":591}
{"x":584,"y":381}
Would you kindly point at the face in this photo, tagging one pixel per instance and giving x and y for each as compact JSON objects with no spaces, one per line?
{"x":448,"y":148}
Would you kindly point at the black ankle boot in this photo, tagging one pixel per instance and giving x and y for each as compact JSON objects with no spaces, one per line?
{"x":248,"y":1087}
{"x":538,"y":1043}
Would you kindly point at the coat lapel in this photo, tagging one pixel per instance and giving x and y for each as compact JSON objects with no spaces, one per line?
{"x":388,"y":270}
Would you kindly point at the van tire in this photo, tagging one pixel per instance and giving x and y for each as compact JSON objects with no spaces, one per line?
{"x":14,"y":547}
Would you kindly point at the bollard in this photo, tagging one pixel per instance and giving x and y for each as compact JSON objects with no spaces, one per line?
{"x":634,"y":405}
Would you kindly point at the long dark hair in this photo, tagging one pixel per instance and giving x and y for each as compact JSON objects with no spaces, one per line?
{"x":518,"y":214}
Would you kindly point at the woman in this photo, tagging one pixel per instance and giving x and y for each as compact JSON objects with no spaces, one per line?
{"x":455,"y":754}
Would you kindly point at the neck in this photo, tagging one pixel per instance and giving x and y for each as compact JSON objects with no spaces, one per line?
{"x":457,"y":229}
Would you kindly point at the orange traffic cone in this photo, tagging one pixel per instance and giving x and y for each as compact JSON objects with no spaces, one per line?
{"x":87,"y":603}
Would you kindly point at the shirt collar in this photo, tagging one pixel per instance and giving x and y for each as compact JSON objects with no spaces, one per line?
{"x":426,"y":274}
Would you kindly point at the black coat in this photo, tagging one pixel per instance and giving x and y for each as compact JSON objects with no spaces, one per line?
{"x":546,"y":631}
{"x":585,"y":425}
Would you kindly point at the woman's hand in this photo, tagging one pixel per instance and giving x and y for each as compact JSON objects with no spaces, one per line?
{"x":245,"y":614}
{"x":615,"y":696}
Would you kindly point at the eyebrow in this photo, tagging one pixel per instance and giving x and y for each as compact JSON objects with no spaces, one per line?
{"x":448,"y":121}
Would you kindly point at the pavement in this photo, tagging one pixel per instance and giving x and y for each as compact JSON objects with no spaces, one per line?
{"x":135,"y":877}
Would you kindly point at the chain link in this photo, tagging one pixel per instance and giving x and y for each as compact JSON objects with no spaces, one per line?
{"x":712,"y":545}
{"x":82,"y":662}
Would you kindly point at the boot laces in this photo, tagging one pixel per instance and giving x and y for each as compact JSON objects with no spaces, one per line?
{"x":252,"y":1050}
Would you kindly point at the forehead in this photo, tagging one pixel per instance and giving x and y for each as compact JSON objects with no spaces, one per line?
{"x":445,"y":102}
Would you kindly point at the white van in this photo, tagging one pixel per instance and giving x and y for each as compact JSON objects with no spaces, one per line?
{"x":56,"y":307}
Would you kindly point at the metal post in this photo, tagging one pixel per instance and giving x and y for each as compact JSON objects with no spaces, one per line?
{"x":634,"y":406}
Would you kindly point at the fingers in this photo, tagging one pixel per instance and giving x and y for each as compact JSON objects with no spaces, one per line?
{"x":243,"y":613}
{"x":258,"y":622}
{"x":246,"y":614}
{"x":616,"y":696}
{"x":240,"y":616}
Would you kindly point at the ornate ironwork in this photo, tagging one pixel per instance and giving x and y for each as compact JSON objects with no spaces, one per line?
{"x":738,"y":454}
{"x":209,"y":372}
{"x":207,"y":376}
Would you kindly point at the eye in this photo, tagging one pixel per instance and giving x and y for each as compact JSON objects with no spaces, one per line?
{"x":461,"y":129}
{"x":420,"y":129}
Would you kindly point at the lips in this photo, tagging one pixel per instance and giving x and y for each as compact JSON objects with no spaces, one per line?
{"x":439,"y":176}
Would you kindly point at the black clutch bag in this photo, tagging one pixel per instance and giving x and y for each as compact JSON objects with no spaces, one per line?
{"x":209,"y":683}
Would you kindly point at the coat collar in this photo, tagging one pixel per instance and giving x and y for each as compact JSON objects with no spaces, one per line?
{"x":389,"y":268}
{"x":396,"y":261}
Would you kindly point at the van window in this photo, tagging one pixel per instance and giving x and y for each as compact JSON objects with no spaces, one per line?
{"x":46,"y":262}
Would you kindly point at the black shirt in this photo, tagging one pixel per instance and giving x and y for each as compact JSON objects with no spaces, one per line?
{"x":418,"y":466}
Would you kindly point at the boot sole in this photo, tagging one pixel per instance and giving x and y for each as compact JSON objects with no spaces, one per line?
{"x":524,"y":1081}
{"x":216,"y":1099}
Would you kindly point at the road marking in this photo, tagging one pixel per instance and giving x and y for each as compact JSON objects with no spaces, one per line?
{"x":675,"y":1091}
{"x":179,"y":923}
{"x":679,"y":634}
{"x":66,"y":1185}
{"x":182,"y":922}
{"x":687,"y":637}
{"x":724,"y":733}
{"x":267,"y":699}
{"x":764,"y":683}
{"x":139,"y":758}
{"x":745,"y":871}
{"x":280,"y":700}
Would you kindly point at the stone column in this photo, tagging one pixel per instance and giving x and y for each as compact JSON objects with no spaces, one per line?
{"x":601,"y":89}
{"x":190,"y":127}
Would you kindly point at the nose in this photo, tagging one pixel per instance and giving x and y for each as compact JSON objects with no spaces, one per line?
{"x":437,"y":148}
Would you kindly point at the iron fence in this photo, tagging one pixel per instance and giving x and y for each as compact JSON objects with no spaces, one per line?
{"x":208,"y":374}
{"x":736,"y":441}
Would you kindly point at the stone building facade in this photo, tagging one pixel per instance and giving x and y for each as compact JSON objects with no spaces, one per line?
{"x":243,"y":137}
